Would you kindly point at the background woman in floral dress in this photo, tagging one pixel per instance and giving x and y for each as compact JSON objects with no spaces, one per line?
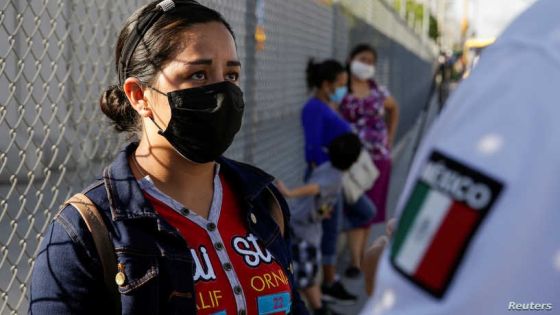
{"x":374,"y":114}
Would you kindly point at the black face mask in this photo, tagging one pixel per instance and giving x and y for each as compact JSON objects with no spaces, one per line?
{"x":204,"y":120}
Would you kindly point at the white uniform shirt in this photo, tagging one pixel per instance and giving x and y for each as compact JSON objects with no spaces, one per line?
{"x":491,"y":192}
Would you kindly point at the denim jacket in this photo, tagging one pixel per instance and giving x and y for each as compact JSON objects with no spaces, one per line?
{"x":68,"y":278}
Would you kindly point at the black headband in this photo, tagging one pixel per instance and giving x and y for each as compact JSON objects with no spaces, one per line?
{"x":142,"y":26}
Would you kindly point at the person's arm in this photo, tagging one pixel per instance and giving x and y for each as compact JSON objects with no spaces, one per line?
{"x":373,"y":254}
{"x":371,"y":261}
{"x":67,"y":277}
{"x":312,"y":121}
{"x":301,"y":191}
{"x":392,"y":118}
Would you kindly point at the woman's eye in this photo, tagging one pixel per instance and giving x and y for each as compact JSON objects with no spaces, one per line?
{"x":232,"y":76}
{"x":198,"y":76}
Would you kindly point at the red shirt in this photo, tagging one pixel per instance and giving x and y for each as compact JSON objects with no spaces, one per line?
{"x":234,"y":273}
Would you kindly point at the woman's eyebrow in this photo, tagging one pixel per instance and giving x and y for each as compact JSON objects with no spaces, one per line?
{"x":199,"y":62}
{"x":208,"y":62}
{"x":234,"y":63}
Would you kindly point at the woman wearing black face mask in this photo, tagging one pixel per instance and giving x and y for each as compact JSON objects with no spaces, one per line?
{"x":189,"y":231}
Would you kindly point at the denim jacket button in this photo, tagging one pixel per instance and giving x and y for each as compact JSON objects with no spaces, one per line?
{"x":227,"y":266}
{"x":253,"y":218}
{"x":237,"y":290}
{"x":120,"y":278}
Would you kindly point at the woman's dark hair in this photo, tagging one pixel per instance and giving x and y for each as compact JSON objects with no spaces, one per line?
{"x":360,"y":48}
{"x":317,"y":73}
{"x":160,"y":43}
{"x":344,"y":151}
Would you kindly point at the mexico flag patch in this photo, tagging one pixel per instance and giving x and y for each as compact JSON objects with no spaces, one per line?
{"x":443,"y":212}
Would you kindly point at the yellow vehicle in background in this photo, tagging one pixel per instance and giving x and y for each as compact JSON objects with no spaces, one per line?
{"x":471,"y":52}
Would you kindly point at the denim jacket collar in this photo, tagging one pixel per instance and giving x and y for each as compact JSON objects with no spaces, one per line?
{"x":127,"y":201}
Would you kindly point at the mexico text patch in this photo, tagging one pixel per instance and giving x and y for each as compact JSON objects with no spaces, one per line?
{"x":447,"y":205}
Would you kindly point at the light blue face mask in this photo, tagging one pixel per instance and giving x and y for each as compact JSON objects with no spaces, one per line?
{"x":339,"y":94}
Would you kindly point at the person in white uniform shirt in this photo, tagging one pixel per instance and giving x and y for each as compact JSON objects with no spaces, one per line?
{"x":479,"y":215}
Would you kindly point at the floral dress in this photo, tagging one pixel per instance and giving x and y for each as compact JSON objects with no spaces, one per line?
{"x":367,"y":118}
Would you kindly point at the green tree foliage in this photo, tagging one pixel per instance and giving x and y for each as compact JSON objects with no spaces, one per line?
{"x":434,"y":32}
{"x":414,"y":15}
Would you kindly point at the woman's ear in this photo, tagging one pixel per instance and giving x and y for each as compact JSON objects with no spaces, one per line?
{"x":327,"y":87}
{"x":135,"y":93}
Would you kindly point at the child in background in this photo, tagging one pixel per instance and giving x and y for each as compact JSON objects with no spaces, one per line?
{"x":314,"y":202}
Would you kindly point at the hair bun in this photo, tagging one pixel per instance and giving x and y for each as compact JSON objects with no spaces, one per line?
{"x":311,"y":73}
{"x":116,"y":106}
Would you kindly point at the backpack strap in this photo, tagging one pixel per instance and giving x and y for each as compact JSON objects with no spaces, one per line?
{"x":103,"y":244}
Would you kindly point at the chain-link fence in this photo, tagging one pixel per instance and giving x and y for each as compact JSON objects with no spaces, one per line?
{"x":56,"y":57}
